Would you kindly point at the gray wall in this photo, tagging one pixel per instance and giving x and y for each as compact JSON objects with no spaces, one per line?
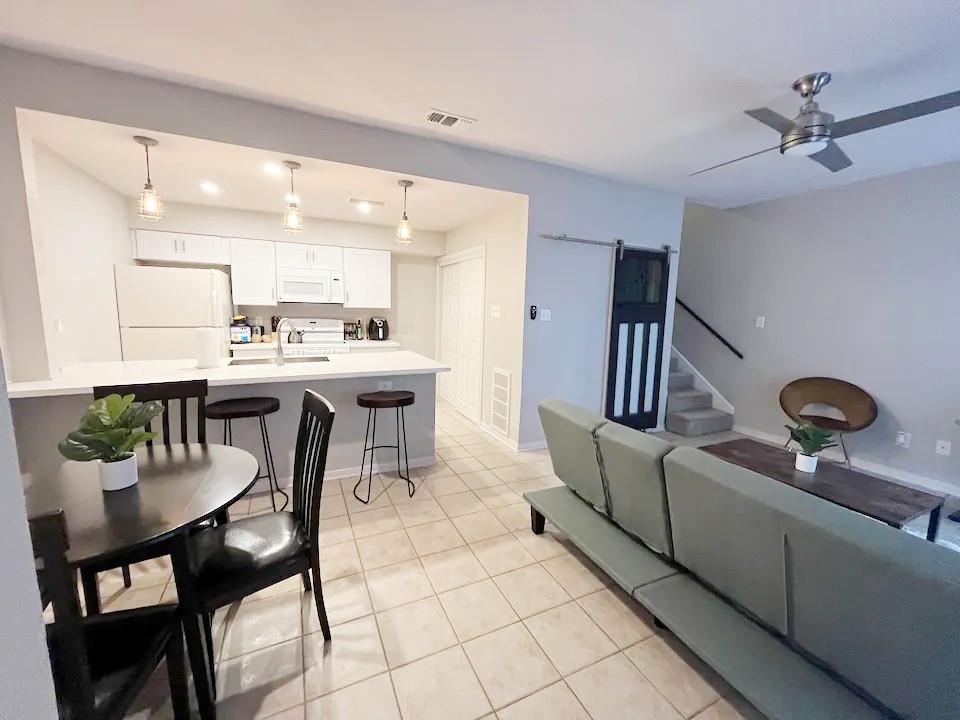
{"x":861,"y":283}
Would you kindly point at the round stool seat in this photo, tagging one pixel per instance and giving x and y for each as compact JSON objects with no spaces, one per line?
{"x":385,"y":399}
{"x":242,"y":408}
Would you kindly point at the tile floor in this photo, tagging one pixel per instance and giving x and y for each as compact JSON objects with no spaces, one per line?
{"x":443,"y":606}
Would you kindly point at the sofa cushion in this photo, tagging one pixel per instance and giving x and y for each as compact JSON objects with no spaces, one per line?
{"x":569,"y":431}
{"x":778,"y":681}
{"x":727,"y":525}
{"x":632,"y":465}
{"x":879,"y":606}
{"x":630,"y":564}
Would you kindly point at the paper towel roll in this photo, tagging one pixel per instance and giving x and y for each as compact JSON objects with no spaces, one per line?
{"x":209,"y":347}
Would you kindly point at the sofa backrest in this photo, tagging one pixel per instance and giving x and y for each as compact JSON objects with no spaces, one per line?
{"x":570,"y":438}
{"x":632,"y":465}
{"x":879,"y":606}
{"x":728,"y":529}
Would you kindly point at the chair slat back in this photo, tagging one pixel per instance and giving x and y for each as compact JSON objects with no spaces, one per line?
{"x":68,"y":652}
{"x":310,"y":461}
{"x":165,"y":392}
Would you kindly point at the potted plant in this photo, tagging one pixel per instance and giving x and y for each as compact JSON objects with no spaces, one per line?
{"x":109,"y":431}
{"x":811,"y":440}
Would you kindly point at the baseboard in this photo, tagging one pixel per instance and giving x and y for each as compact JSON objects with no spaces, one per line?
{"x":904,"y":477}
{"x":535,"y":445}
{"x":261,"y":485}
{"x":498,"y":436}
{"x":701,"y":383}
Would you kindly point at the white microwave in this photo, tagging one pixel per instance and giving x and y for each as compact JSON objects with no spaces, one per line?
{"x":309,"y":285}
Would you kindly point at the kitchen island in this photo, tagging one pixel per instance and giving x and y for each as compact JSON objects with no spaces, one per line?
{"x":44,"y":411}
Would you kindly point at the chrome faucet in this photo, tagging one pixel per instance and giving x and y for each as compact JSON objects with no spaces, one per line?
{"x":280,"y":338}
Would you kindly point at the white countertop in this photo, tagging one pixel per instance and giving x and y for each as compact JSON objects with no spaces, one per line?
{"x":384,"y":344}
{"x":81,"y":379}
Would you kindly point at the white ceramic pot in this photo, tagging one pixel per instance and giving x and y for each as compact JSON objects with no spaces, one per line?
{"x":806,"y":463}
{"x":118,"y":475}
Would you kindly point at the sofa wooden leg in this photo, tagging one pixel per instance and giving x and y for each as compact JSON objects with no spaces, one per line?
{"x":536,"y":521}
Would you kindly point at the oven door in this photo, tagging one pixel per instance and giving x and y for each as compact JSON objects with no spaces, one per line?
{"x":307,"y":286}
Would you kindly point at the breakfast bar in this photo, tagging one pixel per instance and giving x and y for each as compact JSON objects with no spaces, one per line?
{"x":44,"y":411}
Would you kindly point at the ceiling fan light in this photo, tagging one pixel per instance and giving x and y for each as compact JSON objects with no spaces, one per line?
{"x":149,"y":206}
{"x":804,"y":147}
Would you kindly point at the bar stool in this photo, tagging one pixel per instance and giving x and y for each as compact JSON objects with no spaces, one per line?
{"x":258,"y":407}
{"x":384,"y":400}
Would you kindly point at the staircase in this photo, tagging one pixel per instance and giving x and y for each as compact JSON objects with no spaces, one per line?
{"x":690,"y":412}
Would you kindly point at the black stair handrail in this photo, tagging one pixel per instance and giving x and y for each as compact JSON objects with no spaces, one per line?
{"x":713,"y":332}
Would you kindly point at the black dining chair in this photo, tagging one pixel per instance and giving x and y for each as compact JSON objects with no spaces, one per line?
{"x":249,"y":554}
{"x":177,"y":392}
{"x":100,"y":664}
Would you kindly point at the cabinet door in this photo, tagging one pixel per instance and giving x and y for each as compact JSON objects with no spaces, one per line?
{"x":366,"y":278}
{"x":157,"y":245}
{"x":327,"y":257}
{"x":294,"y":255}
{"x":206,"y":249}
{"x":253,"y":272}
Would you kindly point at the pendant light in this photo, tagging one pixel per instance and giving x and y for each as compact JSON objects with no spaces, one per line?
{"x":149,"y":206}
{"x":292,"y":216}
{"x":404,"y":231}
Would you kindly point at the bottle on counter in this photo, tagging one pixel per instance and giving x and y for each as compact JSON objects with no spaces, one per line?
{"x":240,"y":330}
{"x":359,"y":329}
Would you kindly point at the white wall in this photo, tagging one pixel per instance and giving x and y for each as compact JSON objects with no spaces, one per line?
{"x":80,"y":232}
{"x":26,"y":686}
{"x":503,"y":234}
{"x":860,"y":283}
{"x":412,"y":318}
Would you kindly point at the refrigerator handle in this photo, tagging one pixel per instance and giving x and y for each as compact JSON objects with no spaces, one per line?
{"x":214,"y":310}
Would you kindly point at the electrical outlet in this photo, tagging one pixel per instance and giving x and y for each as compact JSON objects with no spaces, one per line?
{"x":494,"y":311}
{"x":761,"y":321}
{"x":903,"y":439}
{"x":385,"y":385}
{"x":943,"y":447}
{"x":545,"y":314}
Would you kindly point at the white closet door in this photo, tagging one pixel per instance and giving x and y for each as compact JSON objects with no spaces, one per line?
{"x":470,"y":337}
{"x":449,"y":299}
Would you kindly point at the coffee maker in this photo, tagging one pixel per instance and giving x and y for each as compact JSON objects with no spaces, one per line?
{"x":378,"y":329}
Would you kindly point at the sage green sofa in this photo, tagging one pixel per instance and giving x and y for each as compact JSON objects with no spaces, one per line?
{"x":810,"y":611}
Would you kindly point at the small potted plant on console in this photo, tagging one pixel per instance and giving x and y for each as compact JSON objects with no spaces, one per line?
{"x":109,"y":431}
{"x":812,"y":440}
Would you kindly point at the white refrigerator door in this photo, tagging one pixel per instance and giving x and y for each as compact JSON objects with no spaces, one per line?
{"x":167,"y":297}
{"x":173,"y":343}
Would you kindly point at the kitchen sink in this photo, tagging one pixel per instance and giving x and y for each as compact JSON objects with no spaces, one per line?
{"x":273,"y":361}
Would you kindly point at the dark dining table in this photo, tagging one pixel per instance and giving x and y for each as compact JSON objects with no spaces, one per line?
{"x":180,"y":487}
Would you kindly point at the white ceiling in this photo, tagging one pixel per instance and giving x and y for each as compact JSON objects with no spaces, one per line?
{"x":180,"y":164}
{"x":644,"y":91}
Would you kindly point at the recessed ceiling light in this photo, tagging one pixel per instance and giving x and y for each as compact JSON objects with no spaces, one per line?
{"x":365,"y":206}
{"x":211,"y":188}
{"x":272,"y":168}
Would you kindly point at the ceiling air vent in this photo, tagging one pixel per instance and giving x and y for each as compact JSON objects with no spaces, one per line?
{"x":449,"y":120}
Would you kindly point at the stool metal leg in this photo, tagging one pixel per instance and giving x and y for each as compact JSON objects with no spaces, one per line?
{"x":363,"y":462}
{"x":402,"y":426}
{"x":271,"y":468}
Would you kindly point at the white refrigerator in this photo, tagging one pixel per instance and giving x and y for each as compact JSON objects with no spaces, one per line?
{"x":162,"y":311}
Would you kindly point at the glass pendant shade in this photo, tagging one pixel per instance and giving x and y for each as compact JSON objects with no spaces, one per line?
{"x":404,"y":232}
{"x":149,"y":206}
{"x":292,"y":219}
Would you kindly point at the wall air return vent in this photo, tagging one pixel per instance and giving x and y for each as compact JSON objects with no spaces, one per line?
{"x":449,"y":120}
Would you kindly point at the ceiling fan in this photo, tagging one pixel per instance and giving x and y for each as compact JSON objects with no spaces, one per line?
{"x":812,"y":132}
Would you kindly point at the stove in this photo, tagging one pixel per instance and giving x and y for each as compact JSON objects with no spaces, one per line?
{"x":315,"y":337}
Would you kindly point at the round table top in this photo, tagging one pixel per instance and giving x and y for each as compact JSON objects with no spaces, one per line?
{"x":179,"y":486}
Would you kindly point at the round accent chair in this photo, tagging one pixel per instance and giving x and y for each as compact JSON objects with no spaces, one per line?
{"x":858,"y":408}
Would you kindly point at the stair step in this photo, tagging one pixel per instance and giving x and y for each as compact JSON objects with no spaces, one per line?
{"x":680,"y":400}
{"x":680,"y":381}
{"x":674,"y":363}
{"x":691,"y":423}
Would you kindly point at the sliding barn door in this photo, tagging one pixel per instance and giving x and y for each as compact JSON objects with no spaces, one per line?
{"x":638,"y":312}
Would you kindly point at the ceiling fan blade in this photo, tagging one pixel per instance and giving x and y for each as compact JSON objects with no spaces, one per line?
{"x":872,"y":121}
{"x":730,"y":162}
{"x":832,"y":158}
{"x":771,"y":119}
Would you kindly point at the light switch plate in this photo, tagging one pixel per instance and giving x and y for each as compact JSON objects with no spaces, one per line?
{"x":494,"y":311}
{"x":761,"y":321}
{"x":545,"y":314}
{"x":943,"y":447}
{"x":903,"y":439}
{"x":385,"y":385}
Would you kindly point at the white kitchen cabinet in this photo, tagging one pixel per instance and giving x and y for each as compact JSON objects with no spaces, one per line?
{"x":253,"y":272}
{"x":304,"y":255}
{"x":366,"y":278}
{"x":164,"y":246}
{"x":156,"y":245}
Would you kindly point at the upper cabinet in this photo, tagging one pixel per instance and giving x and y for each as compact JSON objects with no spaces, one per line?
{"x":366,"y":275}
{"x":253,"y":272}
{"x":304,"y":255}
{"x":163,"y":246}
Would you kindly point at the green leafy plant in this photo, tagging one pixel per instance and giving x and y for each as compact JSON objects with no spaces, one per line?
{"x":110,"y":429}
{"x":810,"y":438}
